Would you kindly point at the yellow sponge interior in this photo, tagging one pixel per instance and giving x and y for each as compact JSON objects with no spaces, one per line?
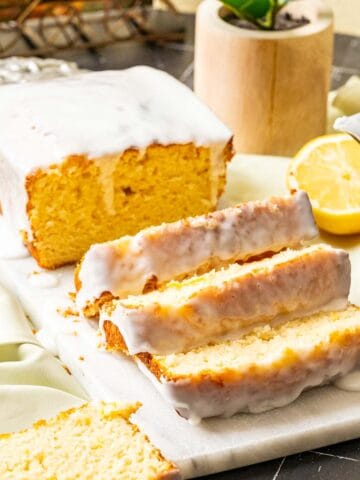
{"x":88,"y":443}
{"x":82,"y":201}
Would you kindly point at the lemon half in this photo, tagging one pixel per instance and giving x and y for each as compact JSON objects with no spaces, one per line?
{"x":328,"y":169}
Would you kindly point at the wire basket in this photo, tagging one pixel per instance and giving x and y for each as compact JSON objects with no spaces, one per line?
{"x":38,"y":27}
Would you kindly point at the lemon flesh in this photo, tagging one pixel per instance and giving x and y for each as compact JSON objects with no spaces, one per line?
{"x":328,"y":169}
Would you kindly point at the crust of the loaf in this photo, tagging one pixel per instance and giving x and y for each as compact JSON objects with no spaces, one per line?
{"x":91,"y":310}
{"x":113,"y":338}
{"x":228,"y":154}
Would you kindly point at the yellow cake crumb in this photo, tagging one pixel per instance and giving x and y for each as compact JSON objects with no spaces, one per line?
{"x":160,"y":184}
{"x":92,"y":442}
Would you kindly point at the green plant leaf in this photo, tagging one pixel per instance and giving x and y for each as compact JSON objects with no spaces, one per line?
{"x":261,"y":13}
{"x":249,"y":8}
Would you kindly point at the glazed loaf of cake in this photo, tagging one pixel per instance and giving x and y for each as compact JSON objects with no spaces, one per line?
{"x":152,"y":257}
{"x":207,"y":308}
{"x":99,"y":155}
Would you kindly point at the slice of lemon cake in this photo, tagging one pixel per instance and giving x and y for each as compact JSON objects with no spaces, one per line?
{"x":265,"y":369}
{"x":212,"y":306}
{"x":92,"y":442}
{"x":98,"y":155}
{"x":132,"y":265}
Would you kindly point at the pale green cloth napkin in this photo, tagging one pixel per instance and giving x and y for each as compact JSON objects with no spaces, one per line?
{"x":33,"y":383}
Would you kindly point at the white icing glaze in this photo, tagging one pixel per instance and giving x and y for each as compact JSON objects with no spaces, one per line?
{"x":349,"y":382}
{"x":198,"y":400}
{"x":349,"y":125}
{"x":94,"y":114}
{"x":44,"y":279}
{"x":100,"y":113}
{"x":294,"y":282}
{"x":123,"y":267}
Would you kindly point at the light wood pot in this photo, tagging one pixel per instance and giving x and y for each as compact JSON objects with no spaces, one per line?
{"x":270,"y":88}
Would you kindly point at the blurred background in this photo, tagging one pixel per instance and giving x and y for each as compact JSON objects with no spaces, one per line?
{"x":104,"y":34}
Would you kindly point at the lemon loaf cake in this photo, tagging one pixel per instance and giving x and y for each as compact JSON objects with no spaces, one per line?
{"x":99,"y":155}
{"x":93,"y":442}
{"x":132,"y":265}
{"x":228,"y":302}
{"x":265,"y":369}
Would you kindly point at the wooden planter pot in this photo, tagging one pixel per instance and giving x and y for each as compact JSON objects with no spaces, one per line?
{"x":270,"y":88}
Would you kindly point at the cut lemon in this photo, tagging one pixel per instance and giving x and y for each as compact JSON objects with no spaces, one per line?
{"x":328,"y":169}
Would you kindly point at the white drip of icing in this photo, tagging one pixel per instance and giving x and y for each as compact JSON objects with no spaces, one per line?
{"x":44,"y":279}
{"x":166,"y":392}
{"x":106,"y":180}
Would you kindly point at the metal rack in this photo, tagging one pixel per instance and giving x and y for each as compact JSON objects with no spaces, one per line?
{"x":40,"y":27}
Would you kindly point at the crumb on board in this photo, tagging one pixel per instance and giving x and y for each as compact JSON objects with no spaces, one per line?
{"x":81,"y":358}
{"x":34,"y":331}
{"x":67,"y":369}
{"x":67,"y":312}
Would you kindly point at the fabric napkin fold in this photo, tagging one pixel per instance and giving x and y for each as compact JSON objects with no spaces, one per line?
{"x":33,"y":383}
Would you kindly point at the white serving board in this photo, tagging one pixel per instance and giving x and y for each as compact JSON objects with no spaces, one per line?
{"x":319,"y":417}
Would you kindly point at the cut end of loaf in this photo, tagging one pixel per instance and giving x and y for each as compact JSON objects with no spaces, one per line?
{"x":81,"y":202}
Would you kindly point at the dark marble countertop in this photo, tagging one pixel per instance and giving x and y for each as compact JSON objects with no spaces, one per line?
{"x":338,"y":462}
